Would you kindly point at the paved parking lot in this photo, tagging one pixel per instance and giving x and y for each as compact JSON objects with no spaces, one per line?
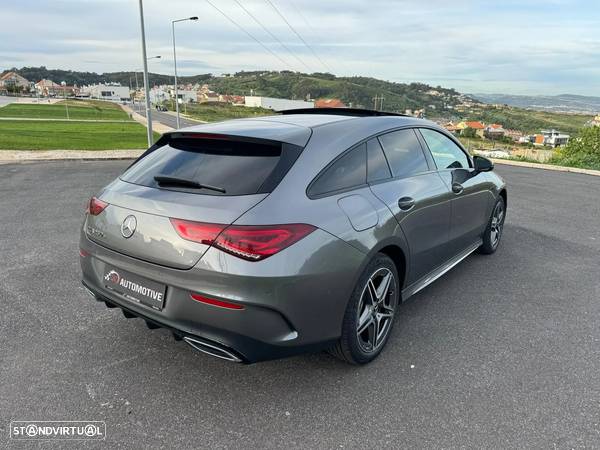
{"x":503,"y":352}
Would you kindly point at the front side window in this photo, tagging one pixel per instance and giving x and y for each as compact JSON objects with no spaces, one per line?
{"x":347,"y":172}
{"x":404,"y":153}
{"x":446,"y":154}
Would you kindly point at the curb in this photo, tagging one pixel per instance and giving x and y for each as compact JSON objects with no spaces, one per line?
{"x":29,"y":156}
{"x":529,"y":165}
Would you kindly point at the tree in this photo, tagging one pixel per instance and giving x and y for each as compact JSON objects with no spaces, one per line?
{"x":469,"y":132}
{"x":582,"y":151}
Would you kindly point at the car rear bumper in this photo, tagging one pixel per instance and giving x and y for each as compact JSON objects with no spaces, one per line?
{"x":215,"y":342}
{"x":293,"y":303}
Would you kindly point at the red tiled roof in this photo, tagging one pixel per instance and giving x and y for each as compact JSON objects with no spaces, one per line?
{"x":476,"y":125}
{"x":329,"y":103}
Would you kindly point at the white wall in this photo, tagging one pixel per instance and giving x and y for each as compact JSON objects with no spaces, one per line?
{"x":107,"y":92}
{"x":276,"y":104}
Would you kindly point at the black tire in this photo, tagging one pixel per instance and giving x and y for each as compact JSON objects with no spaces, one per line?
{"x":493,"y":231}
{"x":352,"y":346}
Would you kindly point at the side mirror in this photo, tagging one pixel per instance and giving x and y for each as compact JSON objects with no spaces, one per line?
{"x":482,"y":164}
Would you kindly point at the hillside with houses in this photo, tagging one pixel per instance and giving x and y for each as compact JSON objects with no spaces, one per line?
{"x":244,"y":94}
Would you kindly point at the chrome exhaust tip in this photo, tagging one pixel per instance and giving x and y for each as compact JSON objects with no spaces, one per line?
{"x":212,"y":349}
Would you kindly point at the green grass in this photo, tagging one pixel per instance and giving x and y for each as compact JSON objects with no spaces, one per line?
{"x":46,"y":135}
{"x":78,"y":109}
{"x":529,"y":121}
{"x":215,"y":113}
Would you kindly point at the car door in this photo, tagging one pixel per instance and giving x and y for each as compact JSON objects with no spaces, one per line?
{"x":415,"y":194}
{"x":469,"y":188}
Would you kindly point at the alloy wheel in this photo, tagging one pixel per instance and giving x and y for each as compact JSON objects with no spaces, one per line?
{"x":497,"y":224}
{"x":375,"y":311}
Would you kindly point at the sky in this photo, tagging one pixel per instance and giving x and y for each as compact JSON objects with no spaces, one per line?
{"x":537,"y":47}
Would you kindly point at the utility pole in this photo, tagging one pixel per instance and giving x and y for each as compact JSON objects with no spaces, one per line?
{"x":146,"y":87}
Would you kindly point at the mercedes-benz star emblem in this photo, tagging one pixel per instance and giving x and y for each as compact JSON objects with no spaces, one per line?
{"x":128,"y":226}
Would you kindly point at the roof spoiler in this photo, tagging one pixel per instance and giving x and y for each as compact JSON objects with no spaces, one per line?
{"x":356,"y":112}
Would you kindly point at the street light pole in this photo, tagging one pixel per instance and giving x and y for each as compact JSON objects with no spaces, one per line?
{"x":146,"y":88}
{"x":64,"y":86}
{"x":175,"y":64}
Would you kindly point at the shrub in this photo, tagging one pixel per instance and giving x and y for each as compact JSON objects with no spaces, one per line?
{"x":582,"y":151}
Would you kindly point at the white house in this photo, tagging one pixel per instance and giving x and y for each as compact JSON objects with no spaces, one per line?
{"x":184,"y":95}
{"x":112,"y":92}
{"x":276,"y":104}
{"x":158,"y":95}
{"x":555,"y":138}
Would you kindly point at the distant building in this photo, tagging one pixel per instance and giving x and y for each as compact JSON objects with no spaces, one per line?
{"x":515,"y":135}
{"x":232,"y":99}
{"x":494,"y":131}
{"x":329,"y":103}
{"x":112,"y":92}
{"x":450,"y":127}
{"x":477,"y":126}
{"x":46,"y":88}
{"x":555,"y":138}
{"x":158,"y":95}
{"x":184,"y":95}
{"x":207,"y":96}
{"x":276,"y":104}
{"x":13,"y":82}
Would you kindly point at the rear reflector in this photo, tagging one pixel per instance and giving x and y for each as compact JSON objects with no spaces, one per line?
{"x":83,"y":253}
{"x":215,"y":302}
{"x":96,"y":206}
{"x":250,"y":242}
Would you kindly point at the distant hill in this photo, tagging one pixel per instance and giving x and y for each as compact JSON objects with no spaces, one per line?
{"x":556,"y":103}
{"x":356,"y":91}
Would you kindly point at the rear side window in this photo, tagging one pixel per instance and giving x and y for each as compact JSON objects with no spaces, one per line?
{"x":446,"y":154}
{"x":377,"y":166}
{"x":347,"y":172}
{"x":238,"y":167}
{"x":404,"y":153}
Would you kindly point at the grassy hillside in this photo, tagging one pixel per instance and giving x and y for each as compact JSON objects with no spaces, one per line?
{"x":355,"y":91}
{"x":530,"y":121}
{"x":215,"y":113}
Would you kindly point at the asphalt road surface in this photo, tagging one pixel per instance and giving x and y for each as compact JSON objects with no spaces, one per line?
{"x":166,"y":118}
{"x":502,"y":352}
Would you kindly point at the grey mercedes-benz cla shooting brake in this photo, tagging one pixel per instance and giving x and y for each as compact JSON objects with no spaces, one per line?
{"x":261,"y":238}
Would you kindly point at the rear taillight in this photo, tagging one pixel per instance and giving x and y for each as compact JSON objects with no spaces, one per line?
{"x":205,"y":233}
{"x":259,"y":242}
{"x":96,"y":206}
{"x":250,"y":242}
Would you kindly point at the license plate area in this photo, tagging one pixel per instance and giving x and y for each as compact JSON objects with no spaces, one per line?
{"x":135,"y":288}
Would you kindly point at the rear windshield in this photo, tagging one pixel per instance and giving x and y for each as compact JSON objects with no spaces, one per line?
{"x":237,"y":167}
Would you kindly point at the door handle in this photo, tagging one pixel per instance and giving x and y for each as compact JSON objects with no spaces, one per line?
{"x":406,"y":203}
{"x":457,"y":188}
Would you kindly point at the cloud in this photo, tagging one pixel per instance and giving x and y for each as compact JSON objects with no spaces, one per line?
{"x":535,"y":46}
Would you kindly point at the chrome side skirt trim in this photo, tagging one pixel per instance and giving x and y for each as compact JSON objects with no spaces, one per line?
{"x":437,"y":273}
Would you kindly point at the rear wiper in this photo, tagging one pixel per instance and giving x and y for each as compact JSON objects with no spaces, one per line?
{"x":183,"y":182}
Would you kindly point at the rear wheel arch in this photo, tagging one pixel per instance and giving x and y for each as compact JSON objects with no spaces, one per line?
{"x":397,"y":255}
{"x":504,"y":195}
